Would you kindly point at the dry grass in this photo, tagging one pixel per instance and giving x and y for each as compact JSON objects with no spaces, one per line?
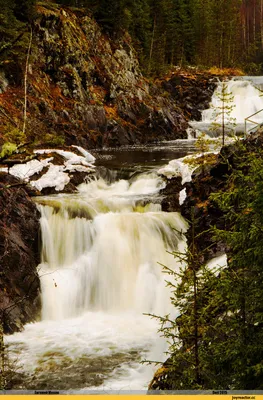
{"x":225,"y":71}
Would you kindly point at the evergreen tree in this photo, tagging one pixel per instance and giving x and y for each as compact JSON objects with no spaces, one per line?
{"x":242,"y":204}
{"x":223,"y":123}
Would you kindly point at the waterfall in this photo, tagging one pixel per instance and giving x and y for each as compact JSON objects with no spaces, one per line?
{"x":100,"y":250}
{"x":243,"y":98}
{"x":101,"y":270}
{"x":109,"y":263}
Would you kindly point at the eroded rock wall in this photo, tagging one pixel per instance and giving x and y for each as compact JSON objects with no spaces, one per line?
{"x":19,"y":255}
{"x":86,"y":89}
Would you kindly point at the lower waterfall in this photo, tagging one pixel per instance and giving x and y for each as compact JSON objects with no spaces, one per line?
{"x":102,"y":251}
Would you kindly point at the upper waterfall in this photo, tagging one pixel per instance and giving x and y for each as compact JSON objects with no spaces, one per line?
{"x":243,"y":98}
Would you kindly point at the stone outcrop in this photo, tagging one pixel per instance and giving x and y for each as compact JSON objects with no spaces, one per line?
{"x":170,"y":195}
{"x":86,"y":89}
{"x":19,"y":254}
{"x":191,"y":91}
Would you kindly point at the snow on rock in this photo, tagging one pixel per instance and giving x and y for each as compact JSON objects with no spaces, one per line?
{"x":178,"y":167}
{"x":25,"y":171}
{"x":54,"y":177}
{"x":72,"y":158}
{"x":182,"y":196}
{"x":4,"y":169}
{"x":57,"y":176}
{"x":89,"y":157}
{"x":182,"y":167}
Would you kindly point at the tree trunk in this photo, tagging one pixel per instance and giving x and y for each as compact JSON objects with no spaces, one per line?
{"x":2,"y":355}
{"x":151,"y":48}
{"x":26,"y":76}
{"x":223,"y":113}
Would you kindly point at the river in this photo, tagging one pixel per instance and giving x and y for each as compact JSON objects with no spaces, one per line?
{"x":101,"y":273}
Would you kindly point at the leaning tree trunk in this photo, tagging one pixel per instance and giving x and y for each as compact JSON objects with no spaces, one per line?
{"x":2,"y":355}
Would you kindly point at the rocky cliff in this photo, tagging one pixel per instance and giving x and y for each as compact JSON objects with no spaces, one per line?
{"x":86,"y":89}
{"x":19,"y":281}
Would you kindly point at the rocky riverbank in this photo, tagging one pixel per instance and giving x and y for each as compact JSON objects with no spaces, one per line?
{"x":19,"y":254}
{"x":213,"y":178}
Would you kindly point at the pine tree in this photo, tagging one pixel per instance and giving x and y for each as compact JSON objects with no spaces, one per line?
{"x":223,"y":123}
{"x":242,"y":204}
{"x":189,"y":334}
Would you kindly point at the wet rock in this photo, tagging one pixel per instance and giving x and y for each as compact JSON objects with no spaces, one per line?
{"x":192,"y":92}
{"x":19,"y":254}
{"x":170,"y":201}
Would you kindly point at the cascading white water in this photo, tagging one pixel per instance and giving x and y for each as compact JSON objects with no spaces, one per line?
{"x":107,"y":264}
{"x":243,"y":98}
{"x":100,"y":272}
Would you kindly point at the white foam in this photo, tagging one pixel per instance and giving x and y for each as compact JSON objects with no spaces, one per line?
{"x":217,"y":264}
{"x":242,"y":100}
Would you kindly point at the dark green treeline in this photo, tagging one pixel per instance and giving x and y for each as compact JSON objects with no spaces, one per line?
{"x":221,"y":33}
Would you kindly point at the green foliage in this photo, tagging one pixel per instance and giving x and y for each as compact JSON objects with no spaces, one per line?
{"x":8,"y":149}
{"x":16,"y":136}
{"x":204,"y":155}
{"x":216,"y":342}
{"x":242,"y":204}
{"x":51,"y":139}
{"x":164,"y":32}
{"x":190,"y":335}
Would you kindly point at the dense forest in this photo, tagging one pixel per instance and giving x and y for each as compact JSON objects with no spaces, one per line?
{"x":166,"y":32}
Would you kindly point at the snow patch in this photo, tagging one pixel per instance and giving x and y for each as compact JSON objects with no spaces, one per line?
{"x":182,"y":167}
{"x":72,"y":158}
{"x":178,"y":167}
{"x":182,"y":196}
{"x":89,"y":157}
{"x":57,"y":175}
{"x":4,"y":169}
{"x":54,"y":177}
{"x":25,"y":171}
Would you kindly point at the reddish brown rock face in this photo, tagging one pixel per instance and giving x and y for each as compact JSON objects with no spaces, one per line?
{"x":19,"y":255}
{"x":85,"y":89}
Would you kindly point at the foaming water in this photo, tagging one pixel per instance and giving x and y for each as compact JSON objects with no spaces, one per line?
{"x":102,"y":251}
{"x":246,"y":100}
{"x":109,"y":263}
